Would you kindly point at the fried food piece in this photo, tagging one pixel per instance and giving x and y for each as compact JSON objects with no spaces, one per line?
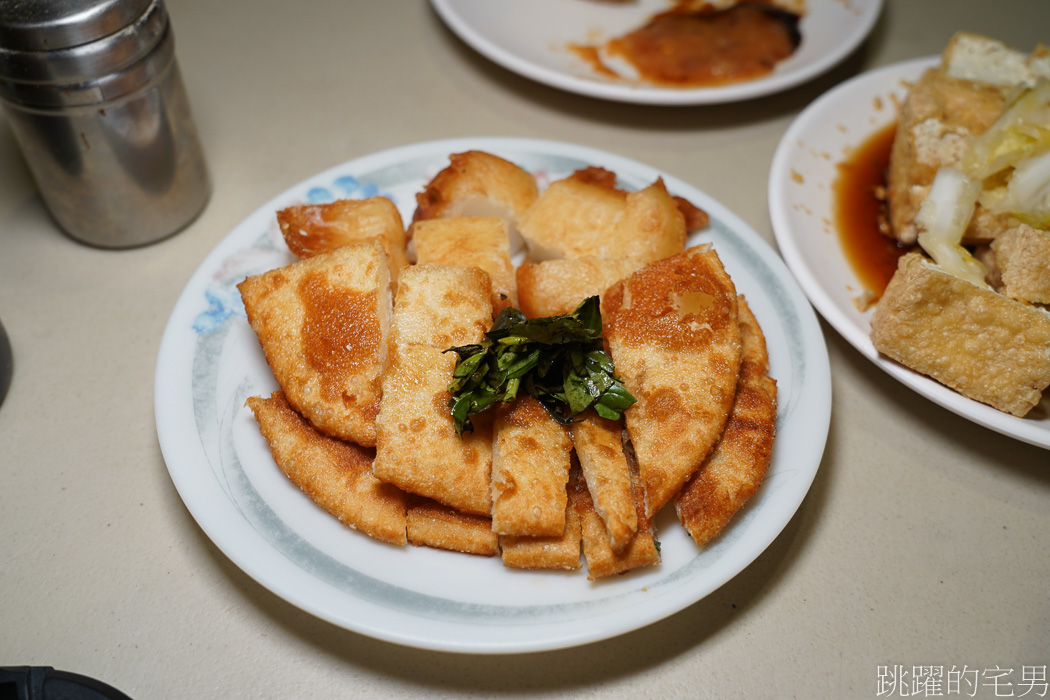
{"x":939,"y":117}
{"x":417,"y":447}
{"x":477,"y":183}
{"x":1022,"y":256}
{"x":336,"y":475}
{"x":674,"y":337}
{"x":309,"y":229}
{"x":530,"y":468}
{"x":602,"y":561}
{"x":986,"y":346}
{"x":557,"y":552}
{"x":556,"y":287}
{"x":323,"y":323}
{"x":585,"y":215}
{"x":431,"y":524}
{"x":599,"y":447}
{"x":470,"y":241}
{"x":734,"y":470}
{"x":980,"y":58}
{"x":441,"y":306}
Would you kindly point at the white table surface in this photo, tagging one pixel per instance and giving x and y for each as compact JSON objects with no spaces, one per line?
{"x":923,"y":540}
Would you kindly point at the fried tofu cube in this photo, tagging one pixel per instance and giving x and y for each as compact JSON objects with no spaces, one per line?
{"x":417,"y":447}
{"x":441,"y":306}
{"x":984,"y":345}
{"x":323,"y":323}
{"x":336,"y":475}
{"x":674,"y":336}
{"x":1022,"y":256}
{"x":531,"y":458}
{"x":560,"y":552}
{"x":470,"y":241}
{"x":309,"y":229}
{"x":584,"y":215}
{"x":556,"y":287}
{"x":433,"y":525}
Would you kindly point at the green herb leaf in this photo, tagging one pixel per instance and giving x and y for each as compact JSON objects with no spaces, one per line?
{"x":560,"y":360}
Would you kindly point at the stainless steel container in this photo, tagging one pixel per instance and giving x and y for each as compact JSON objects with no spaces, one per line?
{"x":93,"y":94}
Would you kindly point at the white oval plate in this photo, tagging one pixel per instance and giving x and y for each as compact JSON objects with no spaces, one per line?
{"x":801,"y":207}
{"x":210,"y":362}
{"x":531,"y":38}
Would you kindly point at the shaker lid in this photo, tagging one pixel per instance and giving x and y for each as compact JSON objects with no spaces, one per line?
{"x":30,"y":25}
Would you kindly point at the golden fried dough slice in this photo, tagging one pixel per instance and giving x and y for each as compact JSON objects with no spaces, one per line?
{"x":733,"y":471}
{"x":674,"y":337}
{"x":602,"y":561}
{"x":309,"y":229}
{"x":431,"y":524}
{"x":530,"y":468}
{"x":477,"y":183}
{"x":558,"y":552}
{"x":417,"y":447}
{"x":939,"y":117}
{"x":555,"y":287}
{"x":323,"y":324}
{"x":984,"y":345}
{"x":584,"y":215}
{"x":1022,"y":256}
{"x":441,"y":306}
{"x":599,"y":447}
{"x":470,"y":241}
{"x":336,"y":475}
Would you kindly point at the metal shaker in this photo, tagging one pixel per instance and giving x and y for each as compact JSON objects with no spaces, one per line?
{"x":93,"y":94}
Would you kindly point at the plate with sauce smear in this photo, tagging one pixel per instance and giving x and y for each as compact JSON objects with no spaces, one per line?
{"x":610,"y":49}
{"x":825,"y":219}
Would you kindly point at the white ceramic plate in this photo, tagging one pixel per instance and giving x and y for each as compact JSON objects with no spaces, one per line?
{"x":210,"y":362}
{"x":531,"y":38}
{"x":801,"y":207}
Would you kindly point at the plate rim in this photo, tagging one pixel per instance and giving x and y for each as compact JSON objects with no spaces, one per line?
{"x":789,"y":245}
{"x":652,"y":95}
{"x":255,"y":563}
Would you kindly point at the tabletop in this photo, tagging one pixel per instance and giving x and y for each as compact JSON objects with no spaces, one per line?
{"x":921,"y":543}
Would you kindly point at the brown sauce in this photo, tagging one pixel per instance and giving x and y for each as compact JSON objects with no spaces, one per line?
{"x":696,"y":48}
{"x":859,"y":215}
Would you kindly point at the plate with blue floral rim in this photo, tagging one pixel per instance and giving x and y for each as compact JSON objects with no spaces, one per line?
{"x":210,"y":362}
{"x":534,"y":40}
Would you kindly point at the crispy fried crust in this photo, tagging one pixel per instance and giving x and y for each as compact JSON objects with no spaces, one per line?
{"x":418,"y":448}
{"x":431,"y":524}
{"x":984,"y":345}
{"x":584,"y":216}
{"x":470,"y":241}
{"x":1022,"y":256}
{"x":599,"y":447}
{"x":309,"y":229}
{"x":733,"y":471}
{"x":336,"y":475}
{"x":441,"y":306}
{"x":530,"y":468}
{"x":937,"y":120}
{"x":323,"y":324}
{"x":477,"y":183}
{"x":602,"y":561}
{"x":559,"y":552}
{"x":674,"y":337}
{"x":556,"y":287}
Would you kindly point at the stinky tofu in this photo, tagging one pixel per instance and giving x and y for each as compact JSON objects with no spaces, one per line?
{"x":599,"y":447}
{"x":601,"y":559}
{"x":1022,"y":256}
{"x":441,"y":306}
{"x":433,"y":525}
{"x":556,"y":287}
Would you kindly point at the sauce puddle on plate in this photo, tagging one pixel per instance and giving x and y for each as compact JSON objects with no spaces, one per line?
{"x":859,"y":216}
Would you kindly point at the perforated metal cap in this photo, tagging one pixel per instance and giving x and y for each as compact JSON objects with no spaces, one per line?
{"x":33,"y":25}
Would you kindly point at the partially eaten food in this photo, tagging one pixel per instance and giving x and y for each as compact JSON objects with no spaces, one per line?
{"x":969,"y":186}
{"x":421,"y":406}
